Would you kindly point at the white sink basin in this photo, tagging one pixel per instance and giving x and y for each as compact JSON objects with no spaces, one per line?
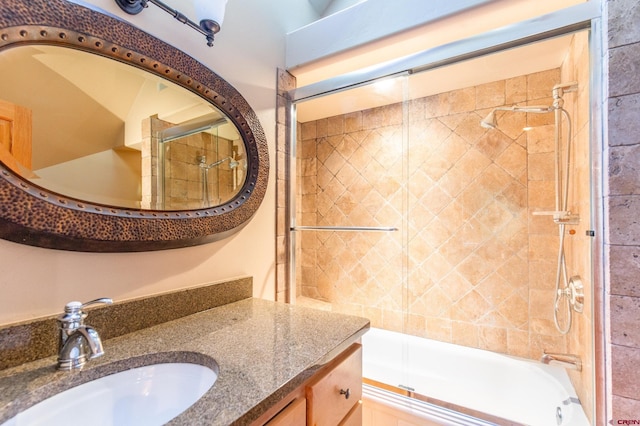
{"x":150,"y":395}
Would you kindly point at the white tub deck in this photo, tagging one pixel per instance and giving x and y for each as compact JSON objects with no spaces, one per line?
{"x":473,"y":381}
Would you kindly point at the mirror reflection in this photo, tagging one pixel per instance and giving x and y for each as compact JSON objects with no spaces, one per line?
{"x":104,"y":132}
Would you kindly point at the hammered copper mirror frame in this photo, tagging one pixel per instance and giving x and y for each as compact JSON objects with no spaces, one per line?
{"x":34,"y":216}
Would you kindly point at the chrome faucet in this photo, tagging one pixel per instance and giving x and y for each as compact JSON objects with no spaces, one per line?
{"x":78,"y":342}
{"x":569,"y":361}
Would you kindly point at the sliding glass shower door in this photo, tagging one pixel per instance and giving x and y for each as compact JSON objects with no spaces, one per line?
{"x":426,"y":202}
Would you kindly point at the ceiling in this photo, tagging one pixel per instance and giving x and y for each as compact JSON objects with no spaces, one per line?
{"x":544,"y":55}
{"x":506,"y":64}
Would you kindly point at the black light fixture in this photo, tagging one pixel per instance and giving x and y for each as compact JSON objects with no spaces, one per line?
{"x":210,"y":12}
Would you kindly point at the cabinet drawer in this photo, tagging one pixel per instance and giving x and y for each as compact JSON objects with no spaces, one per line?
{"x":294,"y":415}
{"x":334,"y":394}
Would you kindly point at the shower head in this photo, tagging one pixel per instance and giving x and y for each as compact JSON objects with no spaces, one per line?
{"x":491,"y":122}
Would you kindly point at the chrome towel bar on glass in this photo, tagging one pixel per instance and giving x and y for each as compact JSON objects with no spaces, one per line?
{"x":345,"y":228}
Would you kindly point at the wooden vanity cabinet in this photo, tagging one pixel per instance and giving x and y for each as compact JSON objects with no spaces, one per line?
{"x":331,"y":397}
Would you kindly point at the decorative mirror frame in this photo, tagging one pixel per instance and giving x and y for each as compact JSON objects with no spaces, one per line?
{"x":32,"y":215}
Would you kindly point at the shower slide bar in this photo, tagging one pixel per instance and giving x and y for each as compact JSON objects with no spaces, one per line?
{"x":345,"y":228}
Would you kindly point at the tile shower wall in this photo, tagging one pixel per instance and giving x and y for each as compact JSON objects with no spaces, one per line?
{"x":477,"y":260}
{"x":579,"y":250}
{"x":623,"y":202}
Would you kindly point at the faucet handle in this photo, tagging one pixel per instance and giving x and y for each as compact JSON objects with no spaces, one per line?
{"x":74,"y":315}
{"x":76,"y":307}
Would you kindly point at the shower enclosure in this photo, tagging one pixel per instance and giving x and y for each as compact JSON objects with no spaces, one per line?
{"x":454,"y":203}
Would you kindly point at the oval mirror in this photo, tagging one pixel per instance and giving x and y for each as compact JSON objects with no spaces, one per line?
{"x":105,"y":132}
{"x":112,"y":140}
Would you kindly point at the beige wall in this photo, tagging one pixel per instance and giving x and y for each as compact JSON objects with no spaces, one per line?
{"x":36,"y":282}
{"x":623,"y":203}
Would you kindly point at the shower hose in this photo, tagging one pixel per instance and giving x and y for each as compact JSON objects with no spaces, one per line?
{"x":562,"y":277}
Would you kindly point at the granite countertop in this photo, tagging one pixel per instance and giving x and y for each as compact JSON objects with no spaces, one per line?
{"x":263,"y":350}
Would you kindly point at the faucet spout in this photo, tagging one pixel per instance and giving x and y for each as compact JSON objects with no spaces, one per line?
{"x":570,"y":361}
{"x":82,"y":345}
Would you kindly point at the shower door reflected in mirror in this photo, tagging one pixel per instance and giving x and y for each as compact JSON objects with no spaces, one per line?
{"x":467,"y":161}
{"x":197,"y":164}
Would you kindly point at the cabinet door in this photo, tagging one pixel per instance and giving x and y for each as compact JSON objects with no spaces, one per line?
{"x":294,"y":415}
{"x":355,"y":417}
{"x":15,"y":137}
{"x":332,"y":396}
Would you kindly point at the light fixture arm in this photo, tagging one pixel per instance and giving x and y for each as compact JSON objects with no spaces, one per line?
{"x":207,"y":27}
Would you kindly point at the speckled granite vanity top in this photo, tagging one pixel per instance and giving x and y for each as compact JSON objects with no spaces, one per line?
{"x":264,"y":350}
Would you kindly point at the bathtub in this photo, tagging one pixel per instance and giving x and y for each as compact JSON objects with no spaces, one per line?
{"x":457,"y":385}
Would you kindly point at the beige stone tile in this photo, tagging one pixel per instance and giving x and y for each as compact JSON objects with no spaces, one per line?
{"x":493,"y":143}
{"x":493,"y":339}
{"x":474,"y":269}
{"x":353,"y":122}
{"x":518,"y":343}
{"x":541,"y":139}
{"x":625,"y":270}
{"x":538,"y":344}
{"x":540,"y":84}
{"x":463,"y":333}
{"x":623,"y":61}
{"x":625,"y":408}
{"x":625,"y":316}
{"x":462,"y":100}
{"x":392,"y":320}
{"x":515,"y":90}
{"x":335,"y":125}
{"x":307,"y":167}
{"x":623,"y":18}
{"x":541,"y":303}
{"x":470,"y":307}
{"x":625,"y":375}
{"x":309,"y":130}
{"x":543,"y":247}
{"x":494,"y":216}
{"x":541,"y":166}
{"x":623,"y":223}
{"x":453,"y":120}
{"x":546,"y":327}
{"x":495,"y":289}
{"x":624,"y":168}
{"x":438,"y":329}
{"x":515,"y":309}
{"x":347,"y":146}
{"x":512,"y":124}
{"x":624,"y":128}
{"x":436,"y":105}
{"x":514,"y":197}
{"x":494,"y":179}
{"x":513,"y":160}
{"x":540,"y":119}
{"x":490,"y":95}
{"x":542,"y":275}
{"x":474,"y":197}
{"x":469,"y":128}
{"x":322,"y":128}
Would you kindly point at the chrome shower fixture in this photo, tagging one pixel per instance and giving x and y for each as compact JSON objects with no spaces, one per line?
{"x":202,"y":162}
{"x":491,"y":122}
